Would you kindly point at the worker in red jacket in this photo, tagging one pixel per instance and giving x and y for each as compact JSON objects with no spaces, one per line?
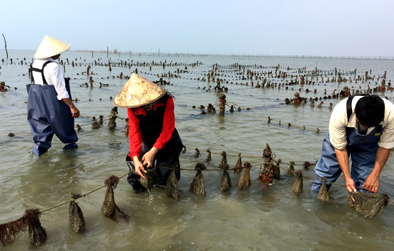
{"x":154,"y":142}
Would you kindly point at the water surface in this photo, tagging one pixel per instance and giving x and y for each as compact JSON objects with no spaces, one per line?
{"x":260,"y":218}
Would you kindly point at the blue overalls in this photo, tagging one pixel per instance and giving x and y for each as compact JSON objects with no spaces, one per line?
{"x":47,"y":115}
{"x":362,"y":150}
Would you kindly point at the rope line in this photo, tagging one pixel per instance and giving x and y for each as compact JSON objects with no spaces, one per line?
{"x":83,"y":195}
{"x":184,"y":169}
{"x":249,"y":156}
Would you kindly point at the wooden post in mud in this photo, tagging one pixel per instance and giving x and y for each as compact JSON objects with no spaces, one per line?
{"x":5,"y":44}
{"x":107,"y":51}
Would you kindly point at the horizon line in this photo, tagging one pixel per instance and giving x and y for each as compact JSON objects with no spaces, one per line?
{"x":117,"y":52}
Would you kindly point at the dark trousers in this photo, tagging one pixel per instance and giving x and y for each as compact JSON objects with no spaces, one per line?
{"x":163,"y":161}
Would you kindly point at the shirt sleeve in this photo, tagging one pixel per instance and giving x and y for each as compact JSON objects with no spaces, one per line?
{"x":135,"y":138}
{"x":387,"y":138}
{"x":168,"y":124}
{"x":337,"y":127}
{"x":57,"y":78}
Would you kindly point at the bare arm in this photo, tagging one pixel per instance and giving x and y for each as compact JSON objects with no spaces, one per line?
{"x":343,"y":161}
{"x":74,"y":110}
{"x":371,"y":183}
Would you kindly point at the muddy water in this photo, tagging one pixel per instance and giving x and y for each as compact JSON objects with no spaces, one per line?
{"x":259,"y":218}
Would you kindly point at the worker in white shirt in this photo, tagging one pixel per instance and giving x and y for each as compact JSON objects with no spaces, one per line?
{"x":361,"y":127}
{"x":50,"y":109}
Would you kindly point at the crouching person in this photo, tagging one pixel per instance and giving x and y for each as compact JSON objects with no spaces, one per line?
{"x":154,"y":142}
{"x":362,"y":128}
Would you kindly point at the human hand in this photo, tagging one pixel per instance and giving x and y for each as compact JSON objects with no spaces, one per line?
{"x":139,"y":168}
{"x":350,"y":186}
{"x":74,"y":112}
{"x":149,"y":157}
{"x":371,"y":183}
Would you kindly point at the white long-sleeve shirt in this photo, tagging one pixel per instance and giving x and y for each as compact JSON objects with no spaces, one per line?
{"x":339,"y":122}
{"x":54,"y":75}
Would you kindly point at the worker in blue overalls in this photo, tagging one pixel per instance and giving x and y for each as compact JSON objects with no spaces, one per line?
{"x":50,"y":109}
{"x":361,"y":127}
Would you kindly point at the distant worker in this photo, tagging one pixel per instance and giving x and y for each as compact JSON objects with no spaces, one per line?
{"x":361,"y":127}
{"x":50,"y":109}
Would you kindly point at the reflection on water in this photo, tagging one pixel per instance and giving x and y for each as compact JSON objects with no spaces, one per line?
{"x":259,"y":218}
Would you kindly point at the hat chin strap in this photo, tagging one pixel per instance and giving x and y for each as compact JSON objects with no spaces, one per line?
{"x":149,"y":107}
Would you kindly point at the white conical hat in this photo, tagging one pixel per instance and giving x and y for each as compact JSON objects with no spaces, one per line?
{"x":137,"y":92}
{"x":50,"y":47}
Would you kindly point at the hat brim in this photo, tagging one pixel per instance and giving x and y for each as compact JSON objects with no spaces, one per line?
{"x":137,"y":92}
{"x":50,"y":47}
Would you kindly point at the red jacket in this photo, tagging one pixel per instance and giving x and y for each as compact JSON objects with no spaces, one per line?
{"x":135,"y":139}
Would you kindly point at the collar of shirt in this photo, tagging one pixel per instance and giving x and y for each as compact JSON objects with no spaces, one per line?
{"x":141,"y":111}
{"x":42,"y":61}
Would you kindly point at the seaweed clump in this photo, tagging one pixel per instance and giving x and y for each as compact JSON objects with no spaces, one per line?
{"x":298,"y":185}
{"x":369,"y":205}
{"x":30,"y":221}
{"x":197,"y":153}
{"x":172,"y":187}
{"x":37,"y":233}
{"x":323,"y":194}
{"x":223,"y":162}
{"x":244,"y":181}
{"x":151,"y":177}
{"x":225,"y":184}
{"x":276,"y":171}
{"x":112,"y":118}
{"x":238,"y":166}
{"x":197,"y":186}
{"x":76,"y":219}
{"x":209,"y":156}
{"x":290,"y":170}
{"x":109,"y":207}
{"x":266,"y":173}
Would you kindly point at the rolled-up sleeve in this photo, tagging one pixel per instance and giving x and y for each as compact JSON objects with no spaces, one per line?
{"x":337,"y":127}
{"x":57,"y":78}
{"x":387,"y":138}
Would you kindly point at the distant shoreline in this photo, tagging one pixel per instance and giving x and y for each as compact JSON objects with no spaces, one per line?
{"x":171,"y":54}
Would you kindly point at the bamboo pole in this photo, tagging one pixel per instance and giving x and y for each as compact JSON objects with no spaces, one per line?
{"x":5,"y":44}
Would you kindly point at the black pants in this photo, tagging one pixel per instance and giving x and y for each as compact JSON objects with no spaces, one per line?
{"x":164,"y":159}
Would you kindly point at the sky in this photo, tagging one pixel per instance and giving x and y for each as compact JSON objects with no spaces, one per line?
{"x":349,"y":28}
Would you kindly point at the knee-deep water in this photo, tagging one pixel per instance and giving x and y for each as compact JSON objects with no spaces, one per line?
{"x":258,"y":218}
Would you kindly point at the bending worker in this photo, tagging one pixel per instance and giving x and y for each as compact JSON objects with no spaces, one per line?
{"x":152,"y":133}
{"x":50,"y":109}
{"x":361,"y":127}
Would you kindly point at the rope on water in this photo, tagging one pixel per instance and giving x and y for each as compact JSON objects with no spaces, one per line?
{"x":291,"y":125}
{"x":306,"y":163}
{"x":83,"y":195}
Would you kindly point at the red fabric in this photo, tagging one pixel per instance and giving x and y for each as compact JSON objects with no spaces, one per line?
{"x":267,"y":176}
{"x":135,"y":139}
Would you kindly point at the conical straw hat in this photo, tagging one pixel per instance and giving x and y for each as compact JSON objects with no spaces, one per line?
{"x":137,"y":92}
{"x":50,"y":47}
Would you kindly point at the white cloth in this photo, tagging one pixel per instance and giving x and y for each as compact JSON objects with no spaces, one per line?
{"x":338,"y":124}
{"x":54,"y":75}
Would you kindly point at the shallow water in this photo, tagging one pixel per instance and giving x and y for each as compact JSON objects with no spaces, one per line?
{"x":260,"y":218}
